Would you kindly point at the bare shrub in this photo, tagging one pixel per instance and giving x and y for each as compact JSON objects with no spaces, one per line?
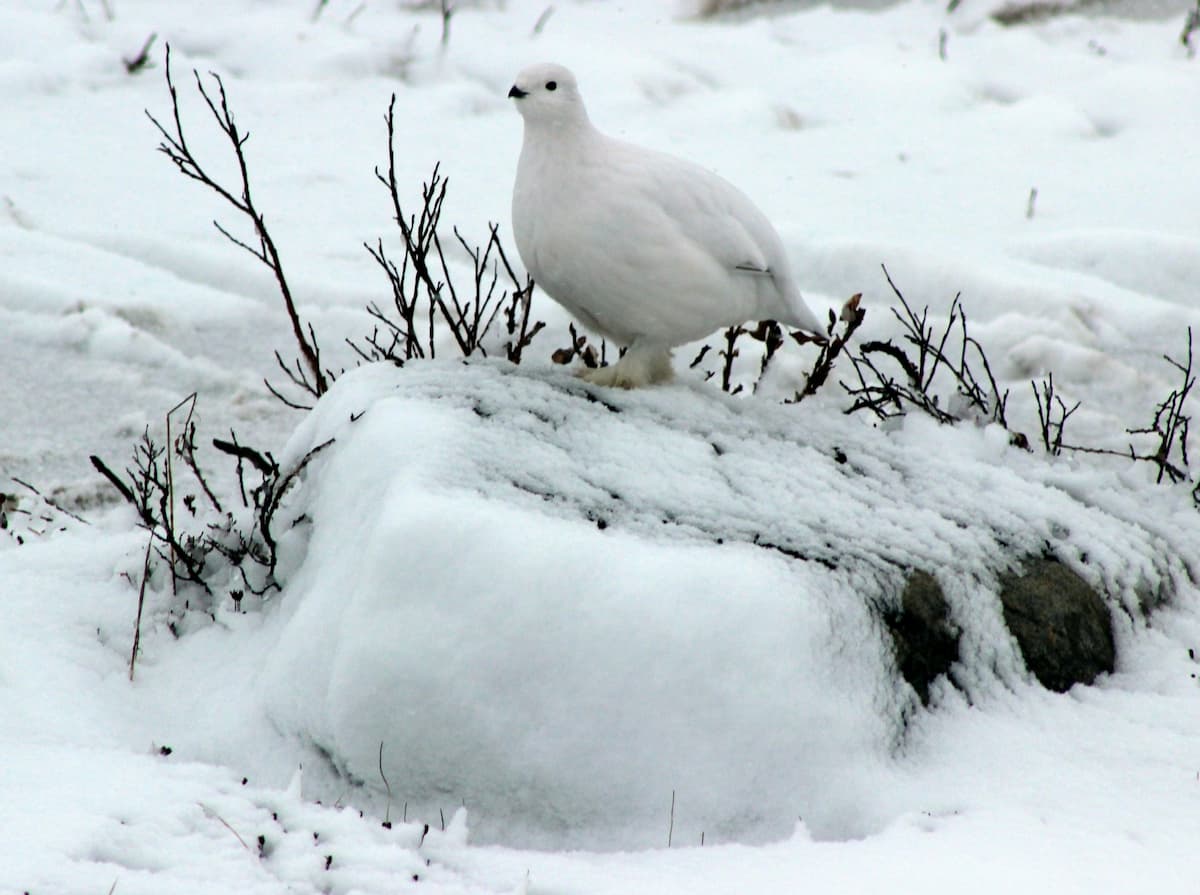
{"x":199,"y":539}
{"x":1166,"y":433}
{"x":770,"y":338}
{"x":309,"y":375}
{"x":892,"y":378}
{"x":424,"y":289}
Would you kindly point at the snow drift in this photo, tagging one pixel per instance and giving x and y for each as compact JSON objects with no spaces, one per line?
{"x":560,"y":605}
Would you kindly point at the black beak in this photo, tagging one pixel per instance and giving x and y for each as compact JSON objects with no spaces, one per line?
{"x":516,"y":92}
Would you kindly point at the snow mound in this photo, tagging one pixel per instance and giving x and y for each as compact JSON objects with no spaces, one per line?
{"x":561,"y":605}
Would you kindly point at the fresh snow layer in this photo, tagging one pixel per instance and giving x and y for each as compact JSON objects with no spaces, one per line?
{"x":558,"y":605}
{"x":863,"y":146}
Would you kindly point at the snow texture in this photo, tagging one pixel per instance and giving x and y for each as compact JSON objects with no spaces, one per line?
{"x":452,"y":595}
{"x":559,"y":604}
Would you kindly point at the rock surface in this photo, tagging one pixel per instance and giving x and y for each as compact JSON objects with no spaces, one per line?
{"x":925,"y":639}
{"x":1063,"y":627}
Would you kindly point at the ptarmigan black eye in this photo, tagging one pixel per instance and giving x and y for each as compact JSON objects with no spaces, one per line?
{"x":552,"y":85}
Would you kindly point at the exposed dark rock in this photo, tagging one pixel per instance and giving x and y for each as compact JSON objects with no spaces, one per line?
{"x":925,"y":640}
{"x":1061,"y":624}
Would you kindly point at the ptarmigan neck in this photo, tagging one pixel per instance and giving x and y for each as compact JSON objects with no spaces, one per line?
{"x":559,"y":134}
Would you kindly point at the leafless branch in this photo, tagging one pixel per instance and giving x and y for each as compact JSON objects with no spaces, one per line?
{"x":887,"y":392}
{"x":49,"y":501}
{"x":175,"y":147}
{"x":1170,"y":425}
{"x":142,"y":59}
{"x":851,"y":317}
{"x":542,"y":20}
{"x":579,"y":348}
{"x":1048,"y":404}
{"x":1191,"y":24}
{"x":424,"y":288}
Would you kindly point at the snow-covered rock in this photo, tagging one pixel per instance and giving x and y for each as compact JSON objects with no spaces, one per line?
{"x":561,"y":604}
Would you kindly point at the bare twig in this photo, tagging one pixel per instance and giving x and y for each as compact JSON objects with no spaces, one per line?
{"x":175,"y":146}
{"x":124,"y":490}
{"x":49,"y":501}
{"x":142,"y":59}
{"x":447,"y":14}
{"x":671,"y":821}
{"x":422,"y":292}
{"x":579,"y":348}
{"x":1170,"y":425}
{"x":1051,"y":429}
{"x":1191,"y":24}
{"x":887,"y":394}
{"x":185,"y":447}
{"x":137,"y":622}
{"x":542,"y":20}
{"x":728,"y":354}
{"x":851,"y":316}
{"x":147,"y":491}
{"x":210,"y":813}
{"x":387,"y":814}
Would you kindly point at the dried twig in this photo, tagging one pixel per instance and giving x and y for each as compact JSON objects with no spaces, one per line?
{"x":1191,"y":24}
{"x":1170,"y":425}
{"x":851,"y":316}
{"x":148,"y":492}
{"x":728,"y":354}
{"x":447,"y":14}
{"x":579,"y":348}
{"x":49,"y":501}
{"x":142,"y":59}
{"x":387,"y":814}
{"x":887,"y":394}
{"x":1047,"y":402}
{"x":424,"y":289}
{"x":540,"y":24}
{"x":137,"y":622}
{"x":311,"y":378}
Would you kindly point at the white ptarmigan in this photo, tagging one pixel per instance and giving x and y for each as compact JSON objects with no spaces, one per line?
{"x":648,"y":250}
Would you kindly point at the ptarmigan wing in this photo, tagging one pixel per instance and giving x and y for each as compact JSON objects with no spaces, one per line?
{"x":709,"y":211}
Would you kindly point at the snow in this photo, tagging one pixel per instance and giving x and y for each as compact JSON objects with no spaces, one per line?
{"x":606,"y":634}
{"x":449,"y":592}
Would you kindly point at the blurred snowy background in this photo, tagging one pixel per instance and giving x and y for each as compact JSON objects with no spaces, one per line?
{"x":560,"y":678}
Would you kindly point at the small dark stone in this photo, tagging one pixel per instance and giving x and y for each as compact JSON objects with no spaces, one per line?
{"x":926,"y":642}
{"x":1061,"y":624}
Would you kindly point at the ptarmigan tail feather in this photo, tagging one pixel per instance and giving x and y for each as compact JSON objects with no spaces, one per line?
{"x":800,"y":316}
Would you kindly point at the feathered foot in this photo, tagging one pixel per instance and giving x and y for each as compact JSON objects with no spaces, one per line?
{"x":641,"y":365}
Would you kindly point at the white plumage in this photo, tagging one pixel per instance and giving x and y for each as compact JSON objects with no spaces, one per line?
{"x":648,"y":250}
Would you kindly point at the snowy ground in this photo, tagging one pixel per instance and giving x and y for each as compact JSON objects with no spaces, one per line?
{"x":117,"y":299}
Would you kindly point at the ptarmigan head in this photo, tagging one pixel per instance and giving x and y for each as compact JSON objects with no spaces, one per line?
{"x":548,"y":94}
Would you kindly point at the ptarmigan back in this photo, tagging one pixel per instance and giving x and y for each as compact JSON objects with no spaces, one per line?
{"x":648,"y":250}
